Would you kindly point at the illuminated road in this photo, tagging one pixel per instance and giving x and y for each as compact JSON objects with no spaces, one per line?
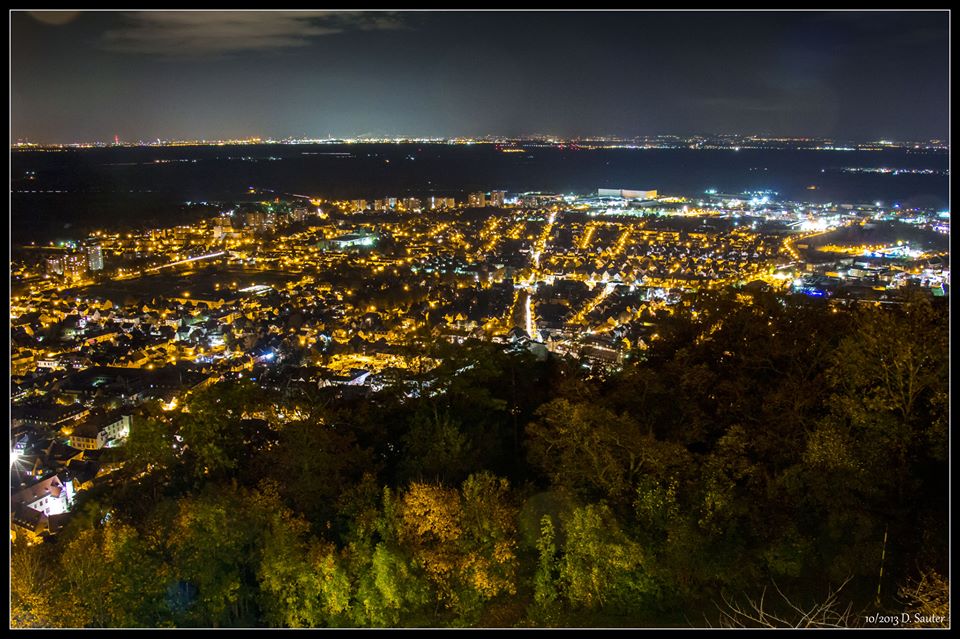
{"x":190,"y":259}
{"x":538,"y":250}
{"x":531,"y":327}
{"x":580,"y":317}
{"x":542,"y":243}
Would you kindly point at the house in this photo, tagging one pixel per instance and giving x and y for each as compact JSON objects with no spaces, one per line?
{"x":83,"y":473}
{"x":27,"y":523}
{"x":50,"y":496}
{"x":52,"y":417}
{"x":100,"y":430}
{"x":56,"y":454}
{"x":599,"y":349}
{"x":355,"y":377}
{"x":33,"y":526}
{"x":35,"y":454}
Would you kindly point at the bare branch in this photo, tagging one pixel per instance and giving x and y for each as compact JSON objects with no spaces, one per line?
{"x":757,"y":612}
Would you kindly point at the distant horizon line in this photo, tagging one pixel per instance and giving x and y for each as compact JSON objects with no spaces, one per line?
{"x":729,"y":138}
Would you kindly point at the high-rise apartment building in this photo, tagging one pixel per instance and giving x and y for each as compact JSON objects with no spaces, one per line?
{"x":477,"y":199}
{"x":74,"y":266}
{"x":55,"y":265}
{"x":95,"y":258}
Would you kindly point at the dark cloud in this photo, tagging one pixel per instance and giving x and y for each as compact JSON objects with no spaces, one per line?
{"x":55,"y":18}
{"x":191,"y":33}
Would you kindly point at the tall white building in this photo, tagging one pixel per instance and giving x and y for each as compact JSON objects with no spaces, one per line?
{"x":95,"y":258}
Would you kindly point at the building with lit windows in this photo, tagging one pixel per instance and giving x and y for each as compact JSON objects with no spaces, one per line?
{"x":51,"y":496}
{"x":350,"y":240}
{"x":75,"y":266}
{"x":628,"y":194}
{"x":95,"y":258}
{"x":99,"y":431}
{"x":71,"y":266}
{"x":55,"y":265}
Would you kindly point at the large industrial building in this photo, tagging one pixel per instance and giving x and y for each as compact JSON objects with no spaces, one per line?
{"x":628,"y":194}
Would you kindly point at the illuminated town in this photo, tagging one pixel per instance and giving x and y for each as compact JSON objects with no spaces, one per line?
{"x":586,"y":275}
{"x":329,"y":292}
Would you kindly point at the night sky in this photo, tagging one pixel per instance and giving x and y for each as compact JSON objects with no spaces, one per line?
{"x":175,"y":75}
